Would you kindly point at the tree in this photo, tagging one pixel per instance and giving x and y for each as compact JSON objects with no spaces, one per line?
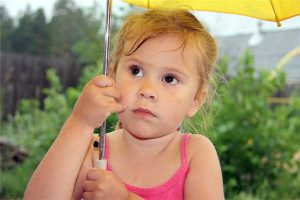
{"x":66,"y":28}
{"x":6,"y":28}
{"x":31,"y":34}
{"x":40,"y":31}
{"x":22,"y":36}
{"x":89,"y":48}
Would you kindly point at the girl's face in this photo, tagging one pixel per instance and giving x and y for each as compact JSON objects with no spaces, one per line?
{"x":158,"y":85}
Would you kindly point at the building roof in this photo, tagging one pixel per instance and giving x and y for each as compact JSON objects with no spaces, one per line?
{"x":268,"y":49}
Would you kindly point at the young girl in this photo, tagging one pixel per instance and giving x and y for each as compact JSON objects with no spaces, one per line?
{"x":159,"y":75}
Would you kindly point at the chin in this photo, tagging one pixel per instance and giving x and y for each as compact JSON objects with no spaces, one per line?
{"x":144,"y":132}
{"x":139,"y":132}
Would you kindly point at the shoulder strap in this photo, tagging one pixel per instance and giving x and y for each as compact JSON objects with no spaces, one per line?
{"x":184,"y":144}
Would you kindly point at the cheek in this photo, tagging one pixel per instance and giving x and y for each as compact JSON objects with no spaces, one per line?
{"x":179,"y":107}
{"x":126,"y":92}
{"x":173,"y":116}
{"x":180,"y":101}
{"x":174,"y":107}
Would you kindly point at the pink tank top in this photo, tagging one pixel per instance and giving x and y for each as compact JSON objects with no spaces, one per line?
{"x":172,"y":189}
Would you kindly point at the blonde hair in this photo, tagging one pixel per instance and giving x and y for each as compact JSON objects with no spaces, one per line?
{"x":153,"y":23}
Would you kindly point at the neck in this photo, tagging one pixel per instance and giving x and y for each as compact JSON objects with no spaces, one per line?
{"x":149,"y":147}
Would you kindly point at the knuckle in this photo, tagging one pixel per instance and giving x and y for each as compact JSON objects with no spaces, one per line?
{"x":86,"y":195}
{"x":90,"y":174}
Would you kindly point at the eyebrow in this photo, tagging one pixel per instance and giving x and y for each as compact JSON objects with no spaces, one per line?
{"x":134,"y":59}
{"x":176,"y":70}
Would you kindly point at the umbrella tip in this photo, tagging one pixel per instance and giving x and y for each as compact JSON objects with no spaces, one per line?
{"x":278,"y":24}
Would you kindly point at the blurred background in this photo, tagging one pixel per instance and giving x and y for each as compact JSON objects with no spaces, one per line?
{"x":50,"y":49}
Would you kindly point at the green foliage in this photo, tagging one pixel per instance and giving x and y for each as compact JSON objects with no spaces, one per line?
{"x":90,"y":47}
{"x":256,"y":141}
{"x":31,"y":35}
{"x":67,"y":27}
{"x":34,"y":129}
{"x":244,"y":196}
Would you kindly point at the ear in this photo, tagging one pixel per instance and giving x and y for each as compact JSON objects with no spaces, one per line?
{"x":197,"y":103}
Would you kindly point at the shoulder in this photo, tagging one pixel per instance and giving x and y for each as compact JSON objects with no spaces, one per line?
{"x":202,"y":153}
{"x":204,"y":180}
{"x":199,"y":145}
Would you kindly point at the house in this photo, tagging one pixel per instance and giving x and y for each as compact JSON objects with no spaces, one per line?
{"x":268,"y":49}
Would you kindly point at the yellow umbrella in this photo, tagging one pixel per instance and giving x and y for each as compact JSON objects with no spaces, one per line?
{"x":269,"y":10}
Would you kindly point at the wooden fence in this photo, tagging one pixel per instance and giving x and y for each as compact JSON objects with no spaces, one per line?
{"x":24,"y":76}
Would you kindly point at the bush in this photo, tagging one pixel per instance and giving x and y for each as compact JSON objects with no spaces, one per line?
{"x":35,"y":129}
{"x":256,"y":141}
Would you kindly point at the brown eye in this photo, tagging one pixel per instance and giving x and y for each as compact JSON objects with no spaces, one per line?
{"x":136,"y":71}
{"x":170,"y":79}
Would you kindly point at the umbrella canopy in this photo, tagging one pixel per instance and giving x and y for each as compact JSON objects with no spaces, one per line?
{"x":269,"y":10}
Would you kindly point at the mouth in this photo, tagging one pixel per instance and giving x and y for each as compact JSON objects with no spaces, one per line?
{"x":143,"y":112}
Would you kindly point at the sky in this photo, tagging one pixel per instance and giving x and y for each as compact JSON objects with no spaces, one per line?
{"x":219,"y":24}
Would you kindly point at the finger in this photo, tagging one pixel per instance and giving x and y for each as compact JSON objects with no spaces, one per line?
{"x":112,"y":92}
{"x":88,"y":185}
{"x":87,"y":195}
{"x":103,"y":81}
{"x":93,"y":174}
{"x":116,"y":107}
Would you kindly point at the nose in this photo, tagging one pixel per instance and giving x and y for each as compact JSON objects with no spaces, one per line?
{"x":148,"y":91}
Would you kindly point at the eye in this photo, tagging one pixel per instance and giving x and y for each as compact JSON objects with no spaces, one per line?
{"x":136,"y":71}
{"x":170,"y":79}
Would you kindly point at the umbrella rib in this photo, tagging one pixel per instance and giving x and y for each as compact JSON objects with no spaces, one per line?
{"x":276,"y":17}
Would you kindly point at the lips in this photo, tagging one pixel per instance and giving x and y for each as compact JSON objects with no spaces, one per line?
{"x":143,"y":112}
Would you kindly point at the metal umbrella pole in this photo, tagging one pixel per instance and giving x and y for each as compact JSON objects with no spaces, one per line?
{"x":101,"y":163}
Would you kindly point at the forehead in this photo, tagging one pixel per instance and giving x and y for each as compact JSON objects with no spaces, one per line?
{"x":168,"y":47}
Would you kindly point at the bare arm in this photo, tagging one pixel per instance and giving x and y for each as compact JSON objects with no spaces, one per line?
{"x":86,"y":166}
{"x":56,"y":175}
{"x":204,"y":180}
